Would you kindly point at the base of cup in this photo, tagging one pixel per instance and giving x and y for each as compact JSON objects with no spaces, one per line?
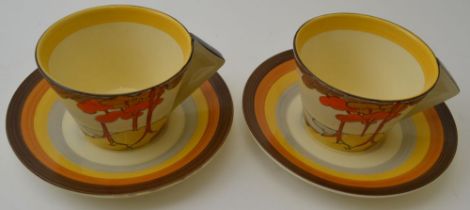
{"x":129,"y":140}
{"x":341,"y":141}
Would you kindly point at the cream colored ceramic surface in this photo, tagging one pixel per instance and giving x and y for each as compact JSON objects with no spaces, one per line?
{"x":363,"y":64}
{"x":116,"y":57}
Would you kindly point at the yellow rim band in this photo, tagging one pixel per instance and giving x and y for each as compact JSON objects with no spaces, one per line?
{"x":106,"y":14}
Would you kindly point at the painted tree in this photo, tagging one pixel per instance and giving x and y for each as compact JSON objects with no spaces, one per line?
{"x":125,"y":108}
{"x":364,"y":113}
{"x":355,"y":111}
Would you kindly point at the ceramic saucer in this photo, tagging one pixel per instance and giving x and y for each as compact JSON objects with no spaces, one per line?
{"x":414,"y":153}
{"x":49,"y":143}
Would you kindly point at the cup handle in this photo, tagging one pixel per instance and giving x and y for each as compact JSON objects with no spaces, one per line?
{"x":445,"y":88}
{"x":204,"y":62}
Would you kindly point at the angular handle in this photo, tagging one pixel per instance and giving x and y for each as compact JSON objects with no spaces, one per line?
{"x":204,"y":62}
{"x":445,"y":88}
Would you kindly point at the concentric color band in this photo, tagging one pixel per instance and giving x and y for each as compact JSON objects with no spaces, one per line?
{"x":42,"y":151}
{"x":420,"y":159}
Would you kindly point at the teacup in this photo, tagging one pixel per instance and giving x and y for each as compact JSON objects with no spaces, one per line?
{"x":361,"y":75}
{"x":120,"y":70}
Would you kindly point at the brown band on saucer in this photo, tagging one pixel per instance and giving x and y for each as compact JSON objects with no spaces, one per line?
{"x":220,"y":118}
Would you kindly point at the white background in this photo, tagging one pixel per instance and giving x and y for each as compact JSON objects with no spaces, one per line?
{"x":241,"y":176}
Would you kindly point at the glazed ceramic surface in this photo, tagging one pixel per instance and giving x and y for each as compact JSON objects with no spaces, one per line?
{"x":360,"y":75}
{"x":414,"y":152}
{"x":48,"y":142}
{"x":118,"y":75}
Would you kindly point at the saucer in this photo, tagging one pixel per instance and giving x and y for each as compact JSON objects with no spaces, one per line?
{"x":414,"y":152}
{"x":49,"y":143}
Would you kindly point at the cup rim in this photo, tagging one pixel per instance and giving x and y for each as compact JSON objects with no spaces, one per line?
{"x":303,"y":68}
{"x":57,"y":23}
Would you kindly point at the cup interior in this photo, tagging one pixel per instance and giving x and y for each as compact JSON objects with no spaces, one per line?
{"x":366,"y":57}
{"x":113,"y":49}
